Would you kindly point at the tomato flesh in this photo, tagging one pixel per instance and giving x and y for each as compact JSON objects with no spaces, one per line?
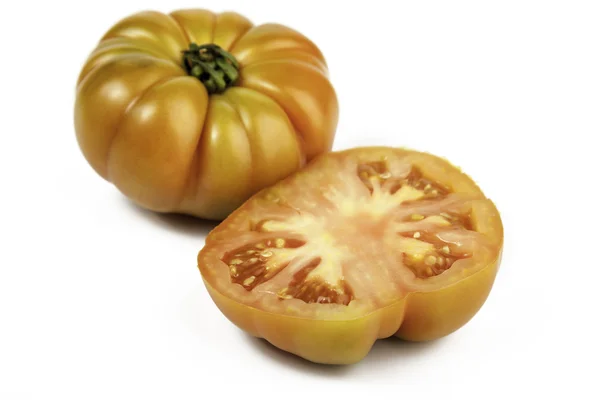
{"x":356,"y":232}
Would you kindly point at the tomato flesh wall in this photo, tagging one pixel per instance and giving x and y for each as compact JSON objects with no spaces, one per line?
{"x":352,"y":233}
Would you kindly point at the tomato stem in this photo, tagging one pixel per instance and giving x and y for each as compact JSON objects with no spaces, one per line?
{"x":214,"y":67}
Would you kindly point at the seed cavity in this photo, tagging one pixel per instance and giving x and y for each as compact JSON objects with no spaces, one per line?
{"x":373,"y":171}
{"x":457,"y":220}
{"x":378,"y":173}
{"x":424,"y":261}
{"x":312,"y":289}
{"x":253,"y":264}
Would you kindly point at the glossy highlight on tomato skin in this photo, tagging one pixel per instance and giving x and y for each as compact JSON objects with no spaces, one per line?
{"x":389,"y":298}
{"x":155,"y":132}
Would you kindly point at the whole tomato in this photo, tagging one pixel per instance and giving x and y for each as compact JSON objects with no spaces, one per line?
{"x":193,"y":112}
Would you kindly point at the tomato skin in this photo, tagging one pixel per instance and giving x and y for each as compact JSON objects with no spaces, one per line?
{"x":156,"y":133}
{"x":320,"y":341}
{"x":424,"y":309}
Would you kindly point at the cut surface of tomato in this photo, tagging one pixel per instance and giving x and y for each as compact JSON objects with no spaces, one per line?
{"x":359,"y":245}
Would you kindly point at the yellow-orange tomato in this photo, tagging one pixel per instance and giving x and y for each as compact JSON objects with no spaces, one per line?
{"x":359,"y":245}
{"x":194,"y":112}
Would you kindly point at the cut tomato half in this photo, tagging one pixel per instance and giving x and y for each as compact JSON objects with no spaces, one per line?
{"x":361,"y":244}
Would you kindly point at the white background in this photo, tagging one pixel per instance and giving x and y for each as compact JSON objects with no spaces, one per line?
{"x":99,"y":299}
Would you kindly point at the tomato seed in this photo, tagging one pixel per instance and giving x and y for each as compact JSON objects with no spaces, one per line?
{"x":248,"y":281}
{"x":430,"y":260}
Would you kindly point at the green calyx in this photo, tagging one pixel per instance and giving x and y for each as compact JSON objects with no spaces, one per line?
{"x":214,"y":67}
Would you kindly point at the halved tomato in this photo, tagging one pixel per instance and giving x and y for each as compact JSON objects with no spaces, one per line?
{"x":359,"y":245}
